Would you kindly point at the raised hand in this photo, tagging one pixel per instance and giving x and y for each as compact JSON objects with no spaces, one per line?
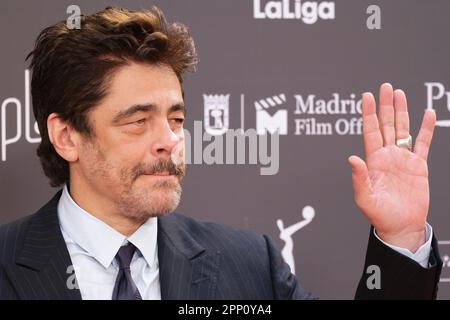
{"x":391,"y":187}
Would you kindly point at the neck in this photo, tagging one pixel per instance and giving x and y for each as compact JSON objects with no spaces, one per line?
{"x":96,"y":205}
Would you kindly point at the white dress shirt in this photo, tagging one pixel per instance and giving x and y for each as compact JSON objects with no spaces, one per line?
{"x":422,"y":255}
{"x":92,"y":245}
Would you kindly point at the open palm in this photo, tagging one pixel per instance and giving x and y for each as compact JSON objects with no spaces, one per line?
{"x":391,"y":186}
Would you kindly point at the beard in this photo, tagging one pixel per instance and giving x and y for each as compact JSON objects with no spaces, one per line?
{"x":134,"y":194}
{"x":155,"y":198}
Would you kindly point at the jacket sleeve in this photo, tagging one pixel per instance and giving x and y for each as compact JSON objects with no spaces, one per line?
{"x":388,"y":274}
{"x":285,"y":285}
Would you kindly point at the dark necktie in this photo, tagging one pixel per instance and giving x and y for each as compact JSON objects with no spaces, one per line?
{"x":125,"y":288}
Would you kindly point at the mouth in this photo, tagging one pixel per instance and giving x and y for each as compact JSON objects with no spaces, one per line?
{"x":161,"y":180}
{"x":161,"y":174}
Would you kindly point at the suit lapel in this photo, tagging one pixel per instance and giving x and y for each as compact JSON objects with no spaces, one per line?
{"x":42,"y":268}
{"x":186,"y":269}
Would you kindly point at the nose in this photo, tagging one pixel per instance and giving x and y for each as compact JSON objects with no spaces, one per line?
{"x":165,"y":142}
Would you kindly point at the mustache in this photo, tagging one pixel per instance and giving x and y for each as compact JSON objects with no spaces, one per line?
{"x":160,"y":167}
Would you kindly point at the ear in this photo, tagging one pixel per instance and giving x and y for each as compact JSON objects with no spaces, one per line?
{"x":63,"y":137}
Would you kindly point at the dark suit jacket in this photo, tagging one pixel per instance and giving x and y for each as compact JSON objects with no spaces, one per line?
{"x":196,"y":261}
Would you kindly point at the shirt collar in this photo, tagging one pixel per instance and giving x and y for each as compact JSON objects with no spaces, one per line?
{"x":100,"y":240}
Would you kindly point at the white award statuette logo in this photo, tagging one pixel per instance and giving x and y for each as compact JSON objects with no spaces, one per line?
{"x":216,"y":114}
{"x":286,"y":234}
{"x":444,"y":249}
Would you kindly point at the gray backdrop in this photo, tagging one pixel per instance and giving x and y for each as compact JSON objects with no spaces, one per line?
{"x":255,"y":59}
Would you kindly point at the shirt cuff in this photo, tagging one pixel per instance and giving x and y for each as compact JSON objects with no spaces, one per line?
{"x":422,"y":255}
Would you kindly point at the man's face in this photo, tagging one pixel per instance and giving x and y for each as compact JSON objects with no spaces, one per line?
{"x":135,"y":157}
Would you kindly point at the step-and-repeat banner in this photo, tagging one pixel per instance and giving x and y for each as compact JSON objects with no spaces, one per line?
{"x":288,"y":66}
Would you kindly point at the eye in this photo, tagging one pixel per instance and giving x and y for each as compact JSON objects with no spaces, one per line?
{"x":178,"y":121}
{"x":140,"y":122}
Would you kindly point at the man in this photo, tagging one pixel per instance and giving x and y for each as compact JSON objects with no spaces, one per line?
{"x":108,"y":100}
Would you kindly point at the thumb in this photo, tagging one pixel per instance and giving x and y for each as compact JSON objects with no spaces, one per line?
{"x":361,"y":181}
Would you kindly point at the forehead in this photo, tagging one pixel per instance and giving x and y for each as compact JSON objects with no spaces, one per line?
{"x":137,"y":83}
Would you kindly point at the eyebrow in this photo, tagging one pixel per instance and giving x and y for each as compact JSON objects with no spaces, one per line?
{"x":144,"y":108}
{"x":178,"y":107}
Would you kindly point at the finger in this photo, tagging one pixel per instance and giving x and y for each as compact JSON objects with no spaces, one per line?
{"x":362,"y":185}
{"x":373,"y":139}
{"x":423,"y":141}
{"x":386,"y":114}
{"x":401,"y":115}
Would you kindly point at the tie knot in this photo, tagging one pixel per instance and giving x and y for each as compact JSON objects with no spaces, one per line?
{"x":124,"y":256}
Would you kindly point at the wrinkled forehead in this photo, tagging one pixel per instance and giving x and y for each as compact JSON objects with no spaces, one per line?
{"x":155,"y":86}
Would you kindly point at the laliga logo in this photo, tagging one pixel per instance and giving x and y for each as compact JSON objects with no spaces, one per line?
{"x":436,"y":92}
{"x":15,"y":103}
{"x":308,"y":11}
